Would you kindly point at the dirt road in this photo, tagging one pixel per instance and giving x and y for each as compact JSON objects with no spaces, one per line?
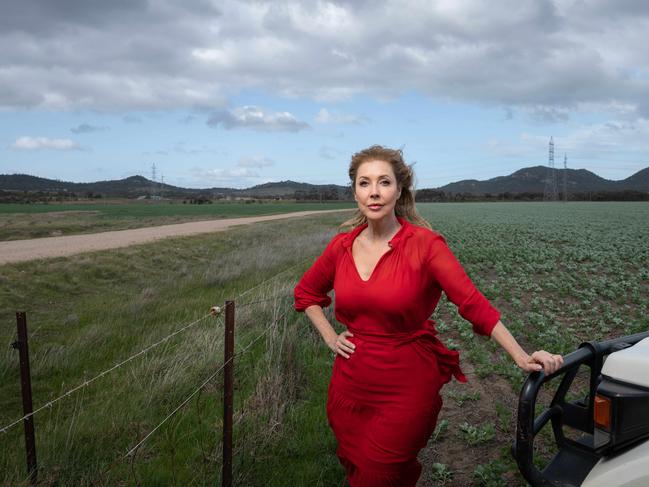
{"x":44,"y":248}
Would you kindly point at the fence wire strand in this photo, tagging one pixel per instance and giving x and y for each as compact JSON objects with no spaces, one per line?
{"x":266,"y":300}
{"x":247,"y":291}
{"x":199,"y":388}
{"x":86,"y":383}
{"x":133,"y":451}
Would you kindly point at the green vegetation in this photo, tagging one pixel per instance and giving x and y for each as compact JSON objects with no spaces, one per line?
{"x":440,"y":430}
{"x":491,"y":474}
{"x":441,"y":474}
{"x":19,"y":221}
{"x":506,"y":417}
{"x":461,"y":397}
{"x":474,"y":435}
{"x":560,"y":274}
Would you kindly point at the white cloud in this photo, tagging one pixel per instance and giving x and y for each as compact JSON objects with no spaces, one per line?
{"x":35,"y":143}
{"x":255,"y":118}
{"x":325,"y":116}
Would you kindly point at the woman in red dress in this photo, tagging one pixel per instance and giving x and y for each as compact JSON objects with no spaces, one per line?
{"x":388,"y":273}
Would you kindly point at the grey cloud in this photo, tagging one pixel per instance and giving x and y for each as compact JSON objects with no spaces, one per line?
{"x":86,"y":128}
{"x":145,"y":55}
{"x":255,"y":118}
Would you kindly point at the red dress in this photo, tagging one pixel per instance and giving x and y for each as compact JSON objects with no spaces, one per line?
{"x":383,"y":401}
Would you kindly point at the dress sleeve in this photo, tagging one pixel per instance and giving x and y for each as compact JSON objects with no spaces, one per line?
{"x":449,"y":273}
{"x":318,"y":280}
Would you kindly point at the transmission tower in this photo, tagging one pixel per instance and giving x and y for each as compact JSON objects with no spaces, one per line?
{"x":565,"y":178}
{"x":153,"y":179}
{"x":550,"y":193}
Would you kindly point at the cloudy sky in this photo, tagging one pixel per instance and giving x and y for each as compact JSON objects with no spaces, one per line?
{"x":224,"y":93}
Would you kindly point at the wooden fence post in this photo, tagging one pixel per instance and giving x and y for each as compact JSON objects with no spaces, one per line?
{"x":26,"y":386}
{"x":228,"y":393}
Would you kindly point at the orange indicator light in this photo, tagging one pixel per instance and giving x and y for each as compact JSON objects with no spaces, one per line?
{"x":602,"y":412}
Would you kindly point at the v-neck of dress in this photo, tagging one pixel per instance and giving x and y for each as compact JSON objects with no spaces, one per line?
{"x":352,"y":237}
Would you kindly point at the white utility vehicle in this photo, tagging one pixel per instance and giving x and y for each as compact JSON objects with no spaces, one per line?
{"x":602,"y":439}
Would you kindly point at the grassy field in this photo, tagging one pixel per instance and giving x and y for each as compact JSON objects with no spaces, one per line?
{"x":37,"y":220}
{"x":560,"y":274}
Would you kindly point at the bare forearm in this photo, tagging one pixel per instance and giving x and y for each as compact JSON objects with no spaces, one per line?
{"x":539,"y":360}
{"x":337,"y":342}
{"x":505,"y":339}
{"x":320,"y":321}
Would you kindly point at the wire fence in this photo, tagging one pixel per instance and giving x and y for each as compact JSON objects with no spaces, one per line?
{"x":87,"y":382}
{"x":132,"y":452}
{"x":278,"y":298}
{"x":199,"y":388}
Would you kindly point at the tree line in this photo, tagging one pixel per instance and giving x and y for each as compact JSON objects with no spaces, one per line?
{"x":333,"y":194}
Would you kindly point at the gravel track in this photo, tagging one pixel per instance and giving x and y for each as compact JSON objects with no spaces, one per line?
{"x":50,"y":247}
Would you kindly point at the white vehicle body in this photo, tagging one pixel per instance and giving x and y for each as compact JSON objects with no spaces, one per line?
{"x":628,"y":469}
{"x":631,"y":467}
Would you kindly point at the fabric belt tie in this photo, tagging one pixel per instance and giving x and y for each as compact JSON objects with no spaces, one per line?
{"x":448,"y":361}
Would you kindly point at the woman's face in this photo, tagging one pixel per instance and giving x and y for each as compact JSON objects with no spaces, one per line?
{"x":376,"y":190}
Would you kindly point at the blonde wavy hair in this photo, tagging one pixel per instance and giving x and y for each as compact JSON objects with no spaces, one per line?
{"x":404,"y":174}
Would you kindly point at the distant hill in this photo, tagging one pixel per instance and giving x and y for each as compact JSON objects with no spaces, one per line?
{"x":532,"y":180}
{"x":529,"y":181}
{"x":137,"y":186}
{"x":639,"y":181}
{"x":292,"y":188}
{"x":130,"y":187}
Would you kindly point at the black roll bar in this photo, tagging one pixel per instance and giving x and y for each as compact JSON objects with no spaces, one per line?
{"x":575,"y":414}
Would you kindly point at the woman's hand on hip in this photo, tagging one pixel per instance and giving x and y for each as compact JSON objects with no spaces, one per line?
{"x":542,"y":360}
{"x":340,"y":345}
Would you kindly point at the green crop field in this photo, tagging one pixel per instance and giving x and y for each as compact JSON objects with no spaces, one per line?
{"x":560,"y":274}
{"x":22,"y":221}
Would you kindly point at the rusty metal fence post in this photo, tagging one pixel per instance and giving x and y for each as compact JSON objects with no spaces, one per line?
{"x":228,"y":393}
{"x":26,"y":386}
